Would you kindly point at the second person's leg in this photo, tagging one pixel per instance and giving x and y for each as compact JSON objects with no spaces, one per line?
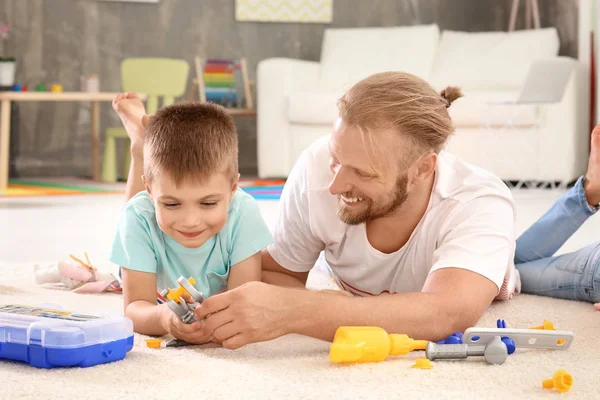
{"x":573,"y":276}
{"x":566,"y":215}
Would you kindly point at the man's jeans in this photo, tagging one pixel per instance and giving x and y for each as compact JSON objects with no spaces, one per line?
{"x":573,"y":276}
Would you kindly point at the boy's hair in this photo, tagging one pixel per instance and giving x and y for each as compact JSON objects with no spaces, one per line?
{"x":191,"y":141}
{"x":402,"y":102}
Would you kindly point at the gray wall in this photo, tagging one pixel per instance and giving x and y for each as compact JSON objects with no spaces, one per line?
{"x":59,"y":40}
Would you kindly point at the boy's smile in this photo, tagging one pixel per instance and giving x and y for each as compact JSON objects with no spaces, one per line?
{"x":191,"y":234}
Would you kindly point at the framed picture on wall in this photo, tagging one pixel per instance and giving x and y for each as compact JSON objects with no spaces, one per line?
{"x":299,"y":11}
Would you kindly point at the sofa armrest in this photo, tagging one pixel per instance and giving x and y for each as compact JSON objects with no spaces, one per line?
{"x":276,"y":79}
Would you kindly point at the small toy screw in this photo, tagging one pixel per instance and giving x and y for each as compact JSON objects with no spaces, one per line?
{"x":423,"y":363}
{"x":561,"y":381}
{"x":547,"y":326}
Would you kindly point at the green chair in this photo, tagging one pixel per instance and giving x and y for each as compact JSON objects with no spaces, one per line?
{"x":155,"y":77}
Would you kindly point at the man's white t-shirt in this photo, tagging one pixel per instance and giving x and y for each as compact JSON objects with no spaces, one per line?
{"x":469,"y":223}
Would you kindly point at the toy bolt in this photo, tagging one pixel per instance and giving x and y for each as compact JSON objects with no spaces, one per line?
{"x":422,"y":363}
{"x":561,"y":381}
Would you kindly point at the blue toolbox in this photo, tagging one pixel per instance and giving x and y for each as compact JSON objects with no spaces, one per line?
{"x":51,"y":338}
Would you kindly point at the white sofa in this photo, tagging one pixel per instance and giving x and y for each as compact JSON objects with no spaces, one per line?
{"x":544,"y":141}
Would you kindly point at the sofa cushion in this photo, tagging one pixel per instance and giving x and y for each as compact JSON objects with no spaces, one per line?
{"x":493,"y":109}
{"x":490,"y":60}
{"x":313,"y":108}
{"x":349,"y":55}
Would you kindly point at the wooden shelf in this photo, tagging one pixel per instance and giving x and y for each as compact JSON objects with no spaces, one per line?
{"x":243,"y":112}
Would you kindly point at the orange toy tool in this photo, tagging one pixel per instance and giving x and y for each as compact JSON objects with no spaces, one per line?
{"x":362,"y":344}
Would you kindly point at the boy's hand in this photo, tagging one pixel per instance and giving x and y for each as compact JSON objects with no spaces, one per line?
{"x":195,"y":333}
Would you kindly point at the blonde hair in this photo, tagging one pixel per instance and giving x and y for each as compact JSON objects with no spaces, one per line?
{"x":191,"y":141}
{"x":404,"y":103}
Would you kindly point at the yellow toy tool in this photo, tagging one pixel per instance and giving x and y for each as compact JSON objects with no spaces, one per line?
{"x":175,"y":294}
{"x":561,"y":381}
{"x":362,"y":344}
{"x":177,"y":304}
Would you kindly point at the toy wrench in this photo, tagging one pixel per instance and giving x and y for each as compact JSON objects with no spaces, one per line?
{"x":523,"y":338}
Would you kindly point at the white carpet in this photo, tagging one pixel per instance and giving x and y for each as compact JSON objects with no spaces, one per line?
{"x":299,"y":367}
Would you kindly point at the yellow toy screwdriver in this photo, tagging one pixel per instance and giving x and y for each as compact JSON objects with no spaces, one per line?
{"x":362,"y":344}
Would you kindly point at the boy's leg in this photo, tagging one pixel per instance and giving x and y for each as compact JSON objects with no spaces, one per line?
{"x":132,"y":113}
{"x":566,"y":215}
{"x":573,"y":276}
{"x":134,"y":179}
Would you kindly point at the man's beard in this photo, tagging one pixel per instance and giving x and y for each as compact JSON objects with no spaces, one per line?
{"x":368,"y":210}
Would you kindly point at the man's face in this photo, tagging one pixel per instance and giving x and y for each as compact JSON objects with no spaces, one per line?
{"x":368,"y":184}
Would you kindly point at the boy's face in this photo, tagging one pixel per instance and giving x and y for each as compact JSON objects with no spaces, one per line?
{"x":191,"y":213}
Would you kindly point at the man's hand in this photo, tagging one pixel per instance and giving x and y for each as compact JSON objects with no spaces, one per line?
{"x":195,"y":333}
{"x":253,"y":312}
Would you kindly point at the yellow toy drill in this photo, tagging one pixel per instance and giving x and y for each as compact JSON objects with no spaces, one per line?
{"x":362,"y":344}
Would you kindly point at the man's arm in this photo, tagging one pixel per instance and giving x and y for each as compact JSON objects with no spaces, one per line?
{"x":452,"y":300}
{"x":245,"y":271}
{"x":275,"y":274}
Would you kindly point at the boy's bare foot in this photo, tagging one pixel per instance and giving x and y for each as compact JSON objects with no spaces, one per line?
{"x":591,"y":184}
{"x":132,"y":113}
{"x":597,"y":306}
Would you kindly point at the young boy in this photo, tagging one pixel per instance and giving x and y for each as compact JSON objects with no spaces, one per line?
{"x":192,"y":219}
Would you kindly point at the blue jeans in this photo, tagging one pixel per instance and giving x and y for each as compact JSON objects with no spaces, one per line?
{"x":573,"y":276}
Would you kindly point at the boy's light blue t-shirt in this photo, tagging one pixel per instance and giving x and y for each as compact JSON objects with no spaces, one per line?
{"x":141,"y":245}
